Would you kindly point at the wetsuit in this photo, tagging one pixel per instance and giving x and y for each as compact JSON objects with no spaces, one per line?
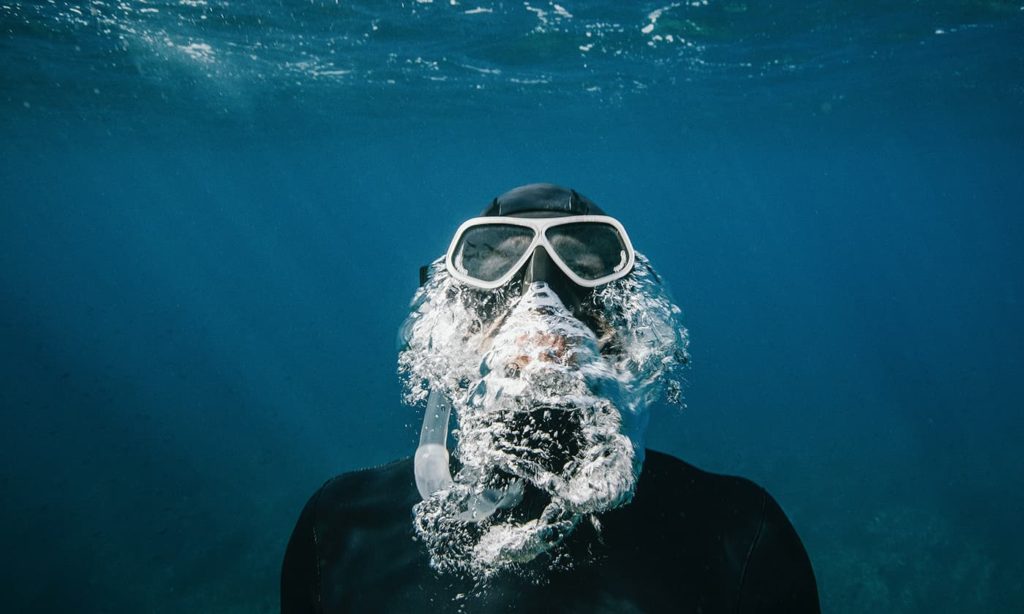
{"x":690,"y":541}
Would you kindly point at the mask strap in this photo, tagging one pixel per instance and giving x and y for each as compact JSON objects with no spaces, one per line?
{"x":431,"y":461}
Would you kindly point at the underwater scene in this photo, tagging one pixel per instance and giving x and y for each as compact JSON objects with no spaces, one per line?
{"x":213,"y":215}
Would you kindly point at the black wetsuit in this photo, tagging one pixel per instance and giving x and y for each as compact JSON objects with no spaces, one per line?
{"x":690,"y":541}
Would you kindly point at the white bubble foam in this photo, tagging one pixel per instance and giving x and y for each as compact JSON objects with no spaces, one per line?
{"x":543,"y":402}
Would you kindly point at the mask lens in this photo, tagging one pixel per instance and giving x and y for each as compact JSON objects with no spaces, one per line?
{"x":487,"y":252}
{"x":591,"y":250}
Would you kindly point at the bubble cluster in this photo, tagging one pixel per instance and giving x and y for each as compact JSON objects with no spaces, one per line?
{"x":551,"y":410}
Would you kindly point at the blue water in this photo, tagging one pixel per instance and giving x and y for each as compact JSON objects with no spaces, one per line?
{"x":212,"y":214}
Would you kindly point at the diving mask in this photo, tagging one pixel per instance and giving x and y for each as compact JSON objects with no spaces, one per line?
{"x":591,"y":250}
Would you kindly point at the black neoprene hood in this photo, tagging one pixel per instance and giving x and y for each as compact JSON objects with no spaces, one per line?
{"x":542,"y":197}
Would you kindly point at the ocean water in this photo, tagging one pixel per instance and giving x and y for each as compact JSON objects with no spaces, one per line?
{"x":212,"y":213}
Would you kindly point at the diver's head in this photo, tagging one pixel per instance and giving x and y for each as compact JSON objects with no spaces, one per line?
{"x":541,"y":232}
{"x":548,"y":337}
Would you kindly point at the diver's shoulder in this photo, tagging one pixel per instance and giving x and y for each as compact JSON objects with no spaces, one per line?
{"x":678,"y":508}
{"x":665,"y":473}
{"x":379,"y":487}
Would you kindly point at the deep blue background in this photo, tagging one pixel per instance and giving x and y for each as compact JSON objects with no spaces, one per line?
{"x":198,"y":307}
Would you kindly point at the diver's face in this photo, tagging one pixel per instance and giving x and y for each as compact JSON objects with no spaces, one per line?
{"x":551,"y":415}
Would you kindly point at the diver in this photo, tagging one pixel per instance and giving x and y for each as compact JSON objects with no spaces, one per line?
{"x":546,"y":338}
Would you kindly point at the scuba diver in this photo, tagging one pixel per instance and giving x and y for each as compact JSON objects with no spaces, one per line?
{"x":547,"y":338}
